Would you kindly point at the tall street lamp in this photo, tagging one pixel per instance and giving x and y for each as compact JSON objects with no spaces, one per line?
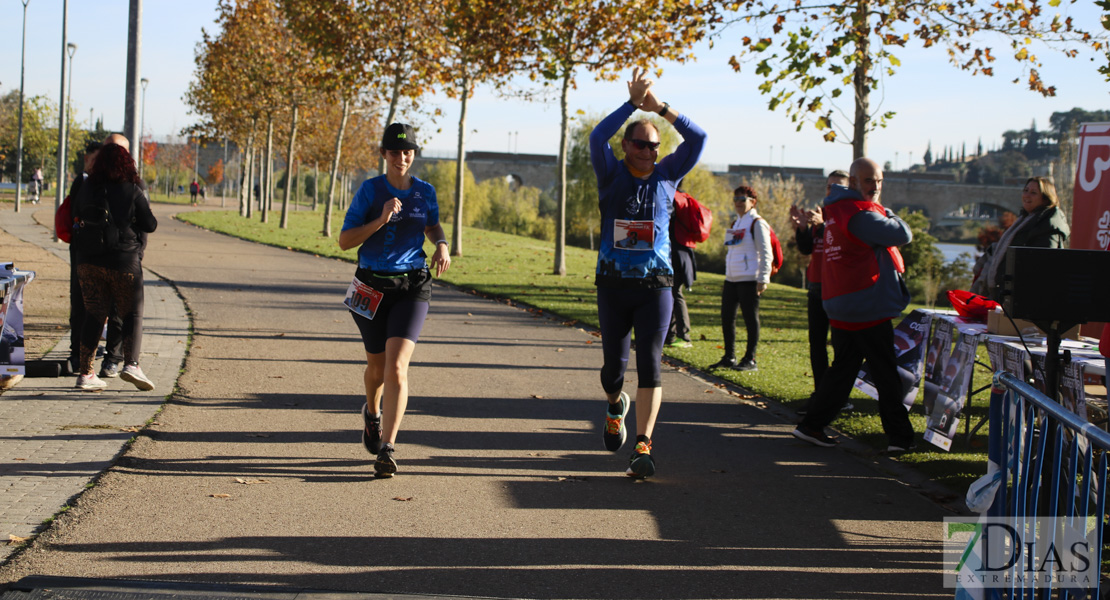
{"x":142,"y":125}
{"x":71,"y":49}
{"x":19,"y":147}
{"x":59,"y":191}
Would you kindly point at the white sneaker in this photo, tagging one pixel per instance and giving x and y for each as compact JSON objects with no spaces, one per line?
{"x":90,"y":383}
{"x":134,"y":375}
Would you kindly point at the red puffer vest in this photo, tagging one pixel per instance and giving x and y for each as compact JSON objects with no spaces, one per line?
{"x":849,"y":264}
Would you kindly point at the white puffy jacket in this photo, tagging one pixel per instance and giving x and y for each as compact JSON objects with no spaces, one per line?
{"x":750,"y":259}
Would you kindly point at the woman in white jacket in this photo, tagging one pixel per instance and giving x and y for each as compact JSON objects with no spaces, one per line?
{"x":747,"y":273}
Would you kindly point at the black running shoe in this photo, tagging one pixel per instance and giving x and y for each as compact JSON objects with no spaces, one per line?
{"x":726,"y":362}
{"x":371,"y":431}
{"x":385,"y":466}
{"x":615,"y":432}
{"x":641,"y":465}
{"x":748,"y":364}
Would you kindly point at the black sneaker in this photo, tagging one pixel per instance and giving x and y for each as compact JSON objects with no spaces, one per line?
{"x":109,"y":369}
{"x":371,"y":431}
{"x":748,"y":364}
{"x":727,"y":362}
{"x":817,"y":438}
{"x":385,"y":466}
{"x":641,"y":465}
{"x":615,"y":433}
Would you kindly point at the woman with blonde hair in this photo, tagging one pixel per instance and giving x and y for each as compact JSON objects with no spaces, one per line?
{"x":1041,"y":224}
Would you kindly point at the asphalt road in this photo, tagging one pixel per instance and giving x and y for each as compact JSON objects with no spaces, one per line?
{"x":254,"y":473}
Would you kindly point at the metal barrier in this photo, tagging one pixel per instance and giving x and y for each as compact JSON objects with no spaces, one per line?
{"x":1029,"y":432}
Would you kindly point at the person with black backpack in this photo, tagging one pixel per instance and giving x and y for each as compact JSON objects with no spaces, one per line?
{"x":112,"y":218}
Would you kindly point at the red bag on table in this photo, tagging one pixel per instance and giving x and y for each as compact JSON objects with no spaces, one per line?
{"x":971,"y":306}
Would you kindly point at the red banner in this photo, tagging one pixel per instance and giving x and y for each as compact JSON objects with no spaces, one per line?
{"x":1090,"y":220}
{"x":1090,"y":223}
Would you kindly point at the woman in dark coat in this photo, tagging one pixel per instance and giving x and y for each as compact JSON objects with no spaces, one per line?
{"x":1041,"y":224}
{"x":113,"y":276}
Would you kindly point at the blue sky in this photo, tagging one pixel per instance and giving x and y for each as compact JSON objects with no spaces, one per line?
{"x":934,"y":101}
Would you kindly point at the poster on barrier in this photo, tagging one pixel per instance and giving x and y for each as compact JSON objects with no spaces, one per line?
{"x":12,"y":358}
{"x":909,"y":353}
{"x":949,"y":392}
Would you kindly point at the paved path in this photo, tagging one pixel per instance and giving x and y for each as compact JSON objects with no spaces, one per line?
{"x":254,"y":474}
{"x":56,"y":439}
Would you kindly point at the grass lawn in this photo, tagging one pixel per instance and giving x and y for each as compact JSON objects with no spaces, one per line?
{"x":519,"y":268}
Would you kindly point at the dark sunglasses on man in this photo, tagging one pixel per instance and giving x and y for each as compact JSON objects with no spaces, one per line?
{"x":644,"y":144}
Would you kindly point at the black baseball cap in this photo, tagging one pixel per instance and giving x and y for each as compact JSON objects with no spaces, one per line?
{"x":399,"y":136}
{"x":92,"y":146}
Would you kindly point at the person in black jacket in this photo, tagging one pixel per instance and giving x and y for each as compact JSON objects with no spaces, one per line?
{"x":114,"y":277}
{"x":113,"y":348}
{"x":1041,"y":224}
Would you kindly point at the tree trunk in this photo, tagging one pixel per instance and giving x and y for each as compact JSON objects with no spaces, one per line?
{"x":289,"y":171}
{"x":268,"y":163}
{"x":335,"y":166}
{"x":561,"y":220}
{"x":315,"y":185}
{"x":245,"y":175}
{"x":860,"y":79}
{"x":460,"y":169}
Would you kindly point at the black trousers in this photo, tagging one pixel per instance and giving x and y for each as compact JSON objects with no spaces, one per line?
{"x":680,"y":316}
{"x":818,"y":336}
{"x":742,"y":295}
{"x":851,"y":348}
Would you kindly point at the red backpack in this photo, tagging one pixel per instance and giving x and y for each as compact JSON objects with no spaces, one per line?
{"x":693,"y":220}
{"x":776,"y":247}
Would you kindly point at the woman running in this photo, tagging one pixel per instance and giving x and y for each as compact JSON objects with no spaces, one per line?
{"x":389,"y":219}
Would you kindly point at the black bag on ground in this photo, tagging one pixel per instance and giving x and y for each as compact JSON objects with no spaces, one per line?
{"x":95,"y":232}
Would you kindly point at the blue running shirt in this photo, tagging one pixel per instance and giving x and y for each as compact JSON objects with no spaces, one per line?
{"x":399,"y":245}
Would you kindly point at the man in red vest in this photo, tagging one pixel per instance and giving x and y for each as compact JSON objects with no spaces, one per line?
{"x":862,"y":290}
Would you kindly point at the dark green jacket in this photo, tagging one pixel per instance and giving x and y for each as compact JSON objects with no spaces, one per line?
{"x":1048,"y":229}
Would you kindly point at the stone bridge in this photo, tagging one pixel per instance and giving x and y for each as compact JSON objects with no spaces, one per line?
{"x":937,"y":195}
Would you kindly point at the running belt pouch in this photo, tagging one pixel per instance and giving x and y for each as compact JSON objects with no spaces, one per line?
{"x":385,"y":283}
{"x":95,"y":232}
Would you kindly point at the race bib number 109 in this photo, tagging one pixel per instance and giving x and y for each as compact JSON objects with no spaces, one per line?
{"x":362,"y":299}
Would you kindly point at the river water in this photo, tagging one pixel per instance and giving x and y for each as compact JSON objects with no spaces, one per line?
{"x":953,"y":251}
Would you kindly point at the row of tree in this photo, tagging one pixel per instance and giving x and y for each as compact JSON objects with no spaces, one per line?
{"x":330,"y":65}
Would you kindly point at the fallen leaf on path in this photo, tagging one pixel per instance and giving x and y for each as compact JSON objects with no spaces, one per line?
{"x":131,"y":429}
{"x":15,"y":539}
{"x":558,"y":349}
{"x":572,"y":479}
{"x":402,"y":499}
{"x":537,"y":396}
{"x":709,"y":391}
{"x":537,"y":454}
{"x":282,"y":334}
{"x":589,"y":341}
{"x":250,"y":481}
{"x":220,"y":495}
